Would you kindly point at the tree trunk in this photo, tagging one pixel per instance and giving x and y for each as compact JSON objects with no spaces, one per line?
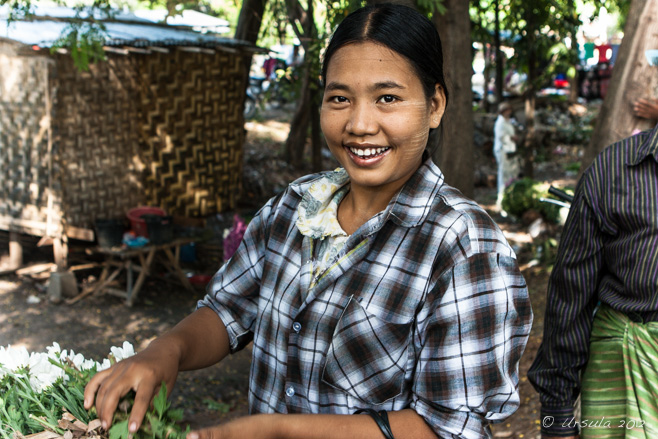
{"x":248,"y":28}
{"x":249,"y":21}
{"x":296,"y":141}
{"x":573,"y":79}
{"x":299,"y":126}
{"x":632,"y":78}
{"x":499,"y":55}
{"x":455,"y":156}
{"x":316,"y":134}
{"x":530,"y":100}
{"x":486,"y":49}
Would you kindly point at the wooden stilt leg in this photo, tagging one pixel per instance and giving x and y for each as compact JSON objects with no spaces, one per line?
{"x":15,"y":250}
{"x":61,"y":252}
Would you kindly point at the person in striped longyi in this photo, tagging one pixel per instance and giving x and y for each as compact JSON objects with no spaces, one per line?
{"x":601,"y":324}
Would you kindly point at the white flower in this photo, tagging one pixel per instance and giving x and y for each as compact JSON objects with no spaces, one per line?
{"x":123,"y":352}
{"x":88,"y":364}
{"x":12,"y":359}
{"x":105,"y":365}
{"x":54,"y":350}
{"x":42,"y":372}
{"x":77,"y":360}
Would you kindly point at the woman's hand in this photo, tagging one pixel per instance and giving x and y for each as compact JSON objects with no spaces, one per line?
{"x":252,"y":427}
{"x":143,"y":373}
{"x":406,"y":424}
{"x":198,"y":341}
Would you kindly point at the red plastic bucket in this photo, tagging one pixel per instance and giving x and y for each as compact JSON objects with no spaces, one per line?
{"x":137,"y":224}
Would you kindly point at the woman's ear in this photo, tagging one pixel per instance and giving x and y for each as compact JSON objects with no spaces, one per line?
{"x":437,"y":106}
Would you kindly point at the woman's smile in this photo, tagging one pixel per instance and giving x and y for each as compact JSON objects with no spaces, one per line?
{"x":365,"y":154}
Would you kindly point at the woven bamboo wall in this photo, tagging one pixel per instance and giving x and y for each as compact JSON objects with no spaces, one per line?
{"x":163,"y":129}
{"x":96,"y":125}
{"x":24,"y":143}
{"x":193,"y":131}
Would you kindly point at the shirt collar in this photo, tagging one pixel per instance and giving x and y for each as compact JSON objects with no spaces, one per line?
{"x":408,"y":208}
{"x":648,"y":146}
{"x":318,"y":210}
{"x":412,"y":204}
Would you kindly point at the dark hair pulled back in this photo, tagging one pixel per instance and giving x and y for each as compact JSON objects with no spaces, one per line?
{"x":400,"y":28}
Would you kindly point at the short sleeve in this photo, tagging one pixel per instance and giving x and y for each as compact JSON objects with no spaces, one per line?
{"x":233,"y":291}
{"x":471,"y":335}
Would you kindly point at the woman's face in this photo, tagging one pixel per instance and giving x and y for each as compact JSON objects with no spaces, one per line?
{"x":375,"y":115}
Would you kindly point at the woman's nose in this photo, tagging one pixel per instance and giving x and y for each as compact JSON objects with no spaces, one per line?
{"x":361,"y":120}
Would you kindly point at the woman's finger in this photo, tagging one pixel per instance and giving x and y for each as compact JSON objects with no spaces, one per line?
{"x":92,"y":387}
{"x":143,"y":397}
{"x":107,"y":400}
{"x":207,"y":433}
{"x":114,"y":387}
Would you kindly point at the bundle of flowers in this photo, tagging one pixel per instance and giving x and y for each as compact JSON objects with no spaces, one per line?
{"x":42,"y":394}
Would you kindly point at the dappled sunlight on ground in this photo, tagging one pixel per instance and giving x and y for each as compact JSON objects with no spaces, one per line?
{"x":269,"y":130}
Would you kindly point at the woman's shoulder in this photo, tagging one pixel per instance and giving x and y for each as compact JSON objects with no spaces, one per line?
{"x":469,"y":222}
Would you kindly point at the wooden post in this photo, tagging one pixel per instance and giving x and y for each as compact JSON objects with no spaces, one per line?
{"x":15,"y":250}
{"x":61,"y":252}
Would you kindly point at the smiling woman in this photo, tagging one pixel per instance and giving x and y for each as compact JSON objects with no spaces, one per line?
{"x":376,"y":120}
{"x":375,"y":288}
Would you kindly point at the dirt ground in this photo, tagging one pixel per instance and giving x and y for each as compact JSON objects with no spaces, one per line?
{"x":94,"y":324}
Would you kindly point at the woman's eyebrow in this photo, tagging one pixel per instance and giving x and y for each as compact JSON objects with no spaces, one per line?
{"x":333,"y":86}
{"x":387,"y":84}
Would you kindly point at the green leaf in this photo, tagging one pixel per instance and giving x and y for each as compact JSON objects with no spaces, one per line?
{"x":156,"y":425}
{"x":119,"y":430}
{"x":175,"y":415}
{"x":160,"y":402}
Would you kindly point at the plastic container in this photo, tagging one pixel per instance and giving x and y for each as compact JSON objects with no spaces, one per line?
{"x":188,"y":252}
{"x":160,"y":228}
{"x":109,"y":232}
{"x":137,"y":223}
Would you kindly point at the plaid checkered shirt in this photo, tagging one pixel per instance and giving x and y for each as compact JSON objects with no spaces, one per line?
{"x":423,"y":308}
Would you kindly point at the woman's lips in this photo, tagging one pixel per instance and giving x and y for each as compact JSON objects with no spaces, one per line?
{"x":368,"y":151}
{"x":365,"y":155}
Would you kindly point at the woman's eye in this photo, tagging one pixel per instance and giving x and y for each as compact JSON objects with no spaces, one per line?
{"x":388,"y":99}
{"x":338,"y":99}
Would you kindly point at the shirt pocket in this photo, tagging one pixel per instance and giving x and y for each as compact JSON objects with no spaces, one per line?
{"x":367,"y":356}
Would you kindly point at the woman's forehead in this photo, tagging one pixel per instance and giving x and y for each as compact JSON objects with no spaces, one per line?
{"x":367,"y":58}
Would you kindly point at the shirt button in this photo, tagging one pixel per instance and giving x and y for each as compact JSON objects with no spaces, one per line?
{"x":290,"y":391}
{"x":297,"y":326}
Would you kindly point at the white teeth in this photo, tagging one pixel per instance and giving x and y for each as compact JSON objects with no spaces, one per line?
{"x":368,"y":151}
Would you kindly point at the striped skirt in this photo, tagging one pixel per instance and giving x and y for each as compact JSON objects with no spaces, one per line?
{"x":619,"y":396}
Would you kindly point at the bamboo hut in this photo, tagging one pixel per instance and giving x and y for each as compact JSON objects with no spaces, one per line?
{"x":158,"y":123}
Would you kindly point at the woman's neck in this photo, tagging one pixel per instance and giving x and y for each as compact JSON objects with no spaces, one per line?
{"x":359,"y":205}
